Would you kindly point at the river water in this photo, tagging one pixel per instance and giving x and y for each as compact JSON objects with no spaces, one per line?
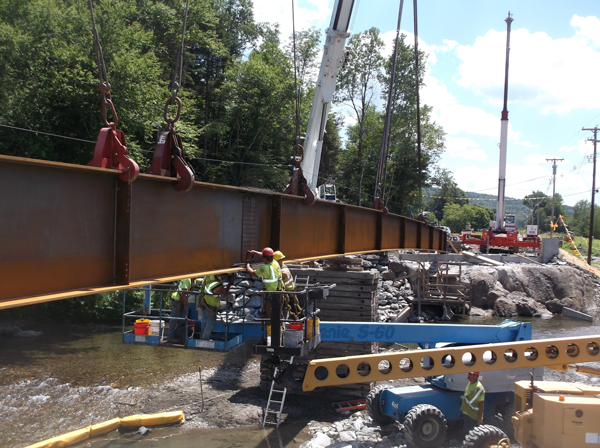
{"x":70,"y":362}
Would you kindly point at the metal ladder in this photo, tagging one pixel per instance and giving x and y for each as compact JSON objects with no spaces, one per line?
{"x":276,"y":397}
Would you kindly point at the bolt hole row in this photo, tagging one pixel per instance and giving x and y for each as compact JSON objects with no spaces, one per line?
{"x":468,"y":359}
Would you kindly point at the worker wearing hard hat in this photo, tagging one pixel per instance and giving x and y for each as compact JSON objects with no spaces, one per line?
{"x":209,"y":301}
{"x":290,"y":302}
{"x":269,"y":273}
{"x":286,"y":275}
{"x":472,"y":402}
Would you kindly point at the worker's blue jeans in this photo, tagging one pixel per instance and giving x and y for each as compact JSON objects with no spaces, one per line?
{"x":469,"y":424}
{"x":208,"y":320}
{"x":176,"y":311}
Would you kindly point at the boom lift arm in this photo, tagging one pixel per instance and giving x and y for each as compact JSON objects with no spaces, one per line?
{"x":433,"y":362}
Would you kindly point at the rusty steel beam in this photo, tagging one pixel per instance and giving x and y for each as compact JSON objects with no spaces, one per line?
{"x":71,"y":230}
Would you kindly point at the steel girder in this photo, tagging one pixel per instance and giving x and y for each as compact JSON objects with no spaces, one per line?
{"x":71,"y":230}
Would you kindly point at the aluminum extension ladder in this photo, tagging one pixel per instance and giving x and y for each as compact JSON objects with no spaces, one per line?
{"x":276,"y":398}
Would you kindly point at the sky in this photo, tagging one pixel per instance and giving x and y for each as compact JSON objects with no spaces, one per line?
{"x":553,"y":85}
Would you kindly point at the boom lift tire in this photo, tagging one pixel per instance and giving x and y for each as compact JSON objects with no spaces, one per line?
{"x":425,"y":427}
{"x":373,"y":402}
{"x":484,"y":436}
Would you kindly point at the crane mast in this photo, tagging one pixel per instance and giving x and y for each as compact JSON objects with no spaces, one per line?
{"x":333,"y":59}
{"x":499,"y":225}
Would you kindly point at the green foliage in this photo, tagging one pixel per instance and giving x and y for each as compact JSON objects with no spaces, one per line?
{"x":579,"y":221}
{"x":458,"y":217}
{"x":107,"y":307}
{"x":446,"y":191}
{"x":541,"y":209}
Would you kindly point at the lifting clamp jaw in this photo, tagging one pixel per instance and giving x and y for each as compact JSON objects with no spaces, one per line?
{"x":168,"y":157}
{"x":110,"y":151}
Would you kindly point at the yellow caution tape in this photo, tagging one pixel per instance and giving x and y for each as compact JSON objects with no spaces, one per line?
{"x":572,"y":240}
{"x":70,"y":438}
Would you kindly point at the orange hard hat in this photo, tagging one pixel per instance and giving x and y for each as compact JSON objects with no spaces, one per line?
{"x":474,"y":373}
{"x":267,"y":252}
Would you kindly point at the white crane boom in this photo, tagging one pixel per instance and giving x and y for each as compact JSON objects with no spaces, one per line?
{"x":333,"y":59}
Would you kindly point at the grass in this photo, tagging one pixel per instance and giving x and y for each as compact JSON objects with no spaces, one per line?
{"x":582,"y":245}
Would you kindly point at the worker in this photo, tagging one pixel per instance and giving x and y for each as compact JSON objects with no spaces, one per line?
{"x":209,"y":301}
{"x":472,"y":402}
{"x":286,"y":275}
{"x":290,"y":302}
{"x":178,"y":308}
{"x":269,"y":273}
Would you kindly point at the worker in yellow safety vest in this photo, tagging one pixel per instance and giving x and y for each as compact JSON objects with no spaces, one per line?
{"x":290,"y":304}
{"x":179,"y":308}
{"x":269,"y":273}
{"x":286,"y":275}
{"x":209,"y":301}
{"x":473,"y":402}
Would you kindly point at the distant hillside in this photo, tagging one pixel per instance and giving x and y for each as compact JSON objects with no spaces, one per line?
{"x":512,"y":205}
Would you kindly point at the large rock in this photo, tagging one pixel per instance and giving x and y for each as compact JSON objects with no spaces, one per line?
{"x":504,"y":307}
{"x":551,"y":286}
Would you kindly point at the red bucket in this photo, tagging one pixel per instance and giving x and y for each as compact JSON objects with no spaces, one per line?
{"x":296,"y":326}
{"x":141,"y":328}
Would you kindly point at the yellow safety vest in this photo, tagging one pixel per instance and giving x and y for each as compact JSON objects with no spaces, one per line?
{"x":474,"y":393}
{"x":208,"y":286}
{"x":288,"y":279}
{"x":270,"y":273}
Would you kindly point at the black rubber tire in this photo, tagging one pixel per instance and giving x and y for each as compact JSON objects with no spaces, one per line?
{"x":507,"y":416}
{"x":484,"y":436}
{"x":425,"y":427}
{"x":373,"y":402}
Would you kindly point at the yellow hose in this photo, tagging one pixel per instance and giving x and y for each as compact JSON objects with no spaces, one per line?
{"x":70,"y":438}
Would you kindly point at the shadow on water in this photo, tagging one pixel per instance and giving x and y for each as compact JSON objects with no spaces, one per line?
{"x":289,"y":436}
{"x":91,"y":355}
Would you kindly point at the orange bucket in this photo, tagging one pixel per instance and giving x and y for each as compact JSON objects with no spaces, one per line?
{"x":141,"y":327}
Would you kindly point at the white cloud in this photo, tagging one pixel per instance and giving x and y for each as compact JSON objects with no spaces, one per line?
{"x":317,"y":14}
{"x":555,"y":75}
{"x":582,"y":147}
{"x":456,"y":118}
{"x":588,"y":28}
{"x":464,"y":148}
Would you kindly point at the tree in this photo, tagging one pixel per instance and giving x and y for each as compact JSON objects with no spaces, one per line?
{"x":49,"y":77}
{"x":541,"y":206}
{"x":357,"y":83}
{"x":258,"y":103}
{"x":359,"y":160}
{"x":401,"y":183}
{"x":447,"y":192}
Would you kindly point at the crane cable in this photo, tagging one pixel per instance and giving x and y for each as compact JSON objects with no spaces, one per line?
{"x":297,"y":160}
{"x":177,"y":78}
{"x":104,"y":85}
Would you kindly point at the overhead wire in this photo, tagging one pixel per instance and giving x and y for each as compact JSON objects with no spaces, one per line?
{"x":275,"y":165}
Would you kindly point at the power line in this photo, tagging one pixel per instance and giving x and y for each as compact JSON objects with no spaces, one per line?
{"x":46,"y":133}
{"x":150,"y":151}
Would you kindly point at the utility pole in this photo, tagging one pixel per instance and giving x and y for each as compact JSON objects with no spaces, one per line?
{"x":595,"y":140}
{"x":553,"y":191}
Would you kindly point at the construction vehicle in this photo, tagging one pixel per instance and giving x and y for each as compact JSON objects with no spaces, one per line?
{"x":566,"y":415}
{"x":503,"y":235}
{"x":308,"y":159}
{"x":548,"y":414}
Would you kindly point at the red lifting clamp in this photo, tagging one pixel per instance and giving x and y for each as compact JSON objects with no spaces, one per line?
{"x":168,"y":161}
{"x":110,"y":151}
{"x":168,"y":156}
{"x":298,"y":185}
